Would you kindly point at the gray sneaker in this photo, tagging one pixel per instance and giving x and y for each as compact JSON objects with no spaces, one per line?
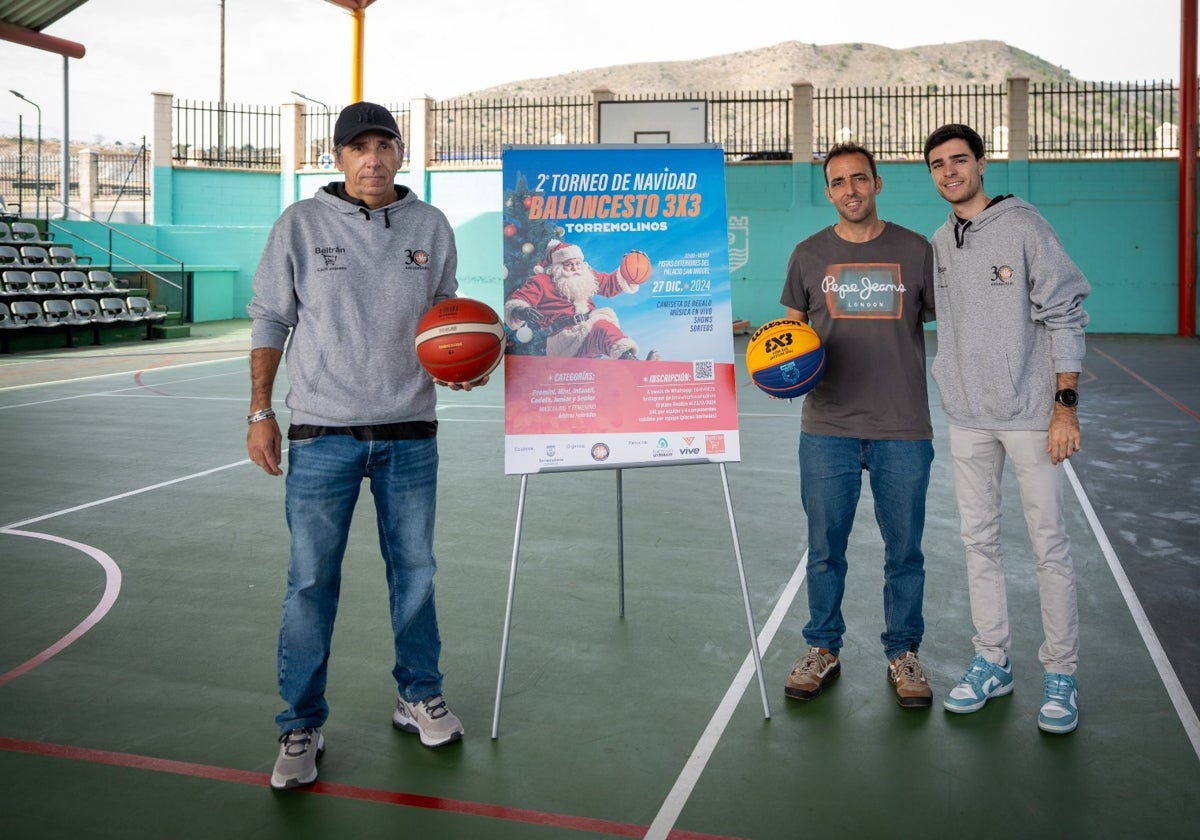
{"x":430,"y":718}
{"x":296,"y":766}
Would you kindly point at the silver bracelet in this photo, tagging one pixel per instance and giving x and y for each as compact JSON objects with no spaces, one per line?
{"x":261,"y":414}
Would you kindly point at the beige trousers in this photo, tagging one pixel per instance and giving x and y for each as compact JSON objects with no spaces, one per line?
{"x":978,"y":459}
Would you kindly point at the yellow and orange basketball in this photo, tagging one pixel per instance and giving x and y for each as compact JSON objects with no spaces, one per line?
{"x":785,"y":358}
{"x":635,"y":267}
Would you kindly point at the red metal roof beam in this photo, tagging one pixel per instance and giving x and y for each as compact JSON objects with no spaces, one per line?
{"x":39,"y":41}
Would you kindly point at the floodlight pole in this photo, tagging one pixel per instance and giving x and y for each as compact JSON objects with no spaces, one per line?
{"x":221,"y":89}
{"x":37,"y":187}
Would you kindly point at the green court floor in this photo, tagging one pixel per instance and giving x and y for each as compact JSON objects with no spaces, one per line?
{"x":126,"y":504}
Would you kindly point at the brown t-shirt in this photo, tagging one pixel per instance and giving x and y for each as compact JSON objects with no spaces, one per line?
{"x":867,"y":301}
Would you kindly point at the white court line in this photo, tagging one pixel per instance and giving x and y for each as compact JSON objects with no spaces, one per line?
{"x":1183,"y":708}
{"x":116,"y":391}
{"x":112,"y":587}
{"x":126,"y":495}
{"x":672,"y":806}
{"x":118,"y":373}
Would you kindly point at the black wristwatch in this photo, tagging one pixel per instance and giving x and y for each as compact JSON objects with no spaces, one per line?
{"x":1066,"y":397}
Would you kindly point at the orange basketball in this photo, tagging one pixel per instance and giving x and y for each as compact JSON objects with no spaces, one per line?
{"x":460,"y":340}
{"x":635,"y":267}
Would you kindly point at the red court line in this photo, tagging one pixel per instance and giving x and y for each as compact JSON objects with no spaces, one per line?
{"x":1151,"y":386}
{"x":385,"y":797}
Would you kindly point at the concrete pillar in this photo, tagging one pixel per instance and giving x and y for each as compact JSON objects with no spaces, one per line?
{"x":420,"y":144}
{"x":162,"y":151}
{"x":802,"y":122}
{"x":599,"y":95}
{"x":1018,"y":118}
{"x":89,"y":180}
{"x":292,"y":144}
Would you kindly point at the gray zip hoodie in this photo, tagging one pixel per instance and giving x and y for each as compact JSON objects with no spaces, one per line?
{"x":350,"y":284}
{"x":1010,"y":316}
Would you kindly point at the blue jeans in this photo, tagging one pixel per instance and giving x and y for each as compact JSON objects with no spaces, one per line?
{"x":830,"y":485}
{"x":323,"y":481}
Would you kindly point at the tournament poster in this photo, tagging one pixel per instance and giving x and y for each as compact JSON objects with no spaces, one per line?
{"x":618,"y":320}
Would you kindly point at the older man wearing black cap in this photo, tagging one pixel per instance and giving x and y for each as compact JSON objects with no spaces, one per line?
{"x":368,"y":149}
{"x":343,"y":280}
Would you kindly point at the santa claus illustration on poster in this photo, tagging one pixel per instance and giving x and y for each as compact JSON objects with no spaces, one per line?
{"x":557,"y":304}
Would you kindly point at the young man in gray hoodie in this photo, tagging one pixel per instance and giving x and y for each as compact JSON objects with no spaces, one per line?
{"x":343,"y":280}
{"x":1010,"y":349}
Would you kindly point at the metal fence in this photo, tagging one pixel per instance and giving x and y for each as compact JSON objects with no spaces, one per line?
{"x":226,"y":135}
{"x":1103,"y":120}
{"x":894,"y":122}
{"x":117,"y":175}
{"x":1064,"y":120}
{"x":473,"y":131}
{"x":318,"y":126}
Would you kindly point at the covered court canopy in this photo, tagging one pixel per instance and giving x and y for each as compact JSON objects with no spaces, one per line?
{"x":22,"y":22}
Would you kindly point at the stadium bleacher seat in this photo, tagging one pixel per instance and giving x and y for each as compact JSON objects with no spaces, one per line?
{"x":101,"y":281}
{"x":73,"y":281}
{"x":17,"y":282}
{"x":113,"y":311}
{"x":89,"y":309}
{"x":59,"y":312}
{"x":27,"y":233}
{"x":64,"y":256}
{"x":28,"y":312}
{"x":45,"y":283}
{"x":145,"y":310}
{"x":7,"y":321}
{"x":34,"y":256}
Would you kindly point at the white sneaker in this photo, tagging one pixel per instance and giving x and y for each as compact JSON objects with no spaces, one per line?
{"x":296,"y":766}
{"x":1060,"y":704}
{"x":430,"y":718}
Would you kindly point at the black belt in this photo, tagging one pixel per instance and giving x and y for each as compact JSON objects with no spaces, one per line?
{"x":568,"y":321}
{"x":408,"y":430}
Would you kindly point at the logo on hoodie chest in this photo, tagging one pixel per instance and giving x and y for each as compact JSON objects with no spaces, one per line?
{"x":1002,"y":275}
{"x":333,"y":257}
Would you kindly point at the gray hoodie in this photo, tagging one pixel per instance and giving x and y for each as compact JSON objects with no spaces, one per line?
{"x":350,"y":284}
{"x":1010,"y":316}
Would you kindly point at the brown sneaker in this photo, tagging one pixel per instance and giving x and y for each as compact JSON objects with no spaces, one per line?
{"x":912,"y":689}
{"x":811,"y":672}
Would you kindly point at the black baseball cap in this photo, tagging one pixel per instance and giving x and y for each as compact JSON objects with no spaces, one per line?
{"x":362,"y":117}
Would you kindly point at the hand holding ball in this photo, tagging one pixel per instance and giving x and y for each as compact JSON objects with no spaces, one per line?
{"x":460,"y":340}
{"x":635,"y":267}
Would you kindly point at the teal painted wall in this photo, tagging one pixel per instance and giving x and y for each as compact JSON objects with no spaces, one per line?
{"x":1117,"y":219}
{"x":223,"y":197}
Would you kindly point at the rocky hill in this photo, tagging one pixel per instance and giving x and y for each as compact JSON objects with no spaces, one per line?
{"x":777,"y":67}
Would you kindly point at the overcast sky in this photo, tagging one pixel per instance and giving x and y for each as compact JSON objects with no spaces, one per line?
{"x":444,"y":48}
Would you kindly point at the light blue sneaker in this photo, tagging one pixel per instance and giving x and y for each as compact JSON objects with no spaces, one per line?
{"x":1060,"y":704}
{"x":982,"y":681}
